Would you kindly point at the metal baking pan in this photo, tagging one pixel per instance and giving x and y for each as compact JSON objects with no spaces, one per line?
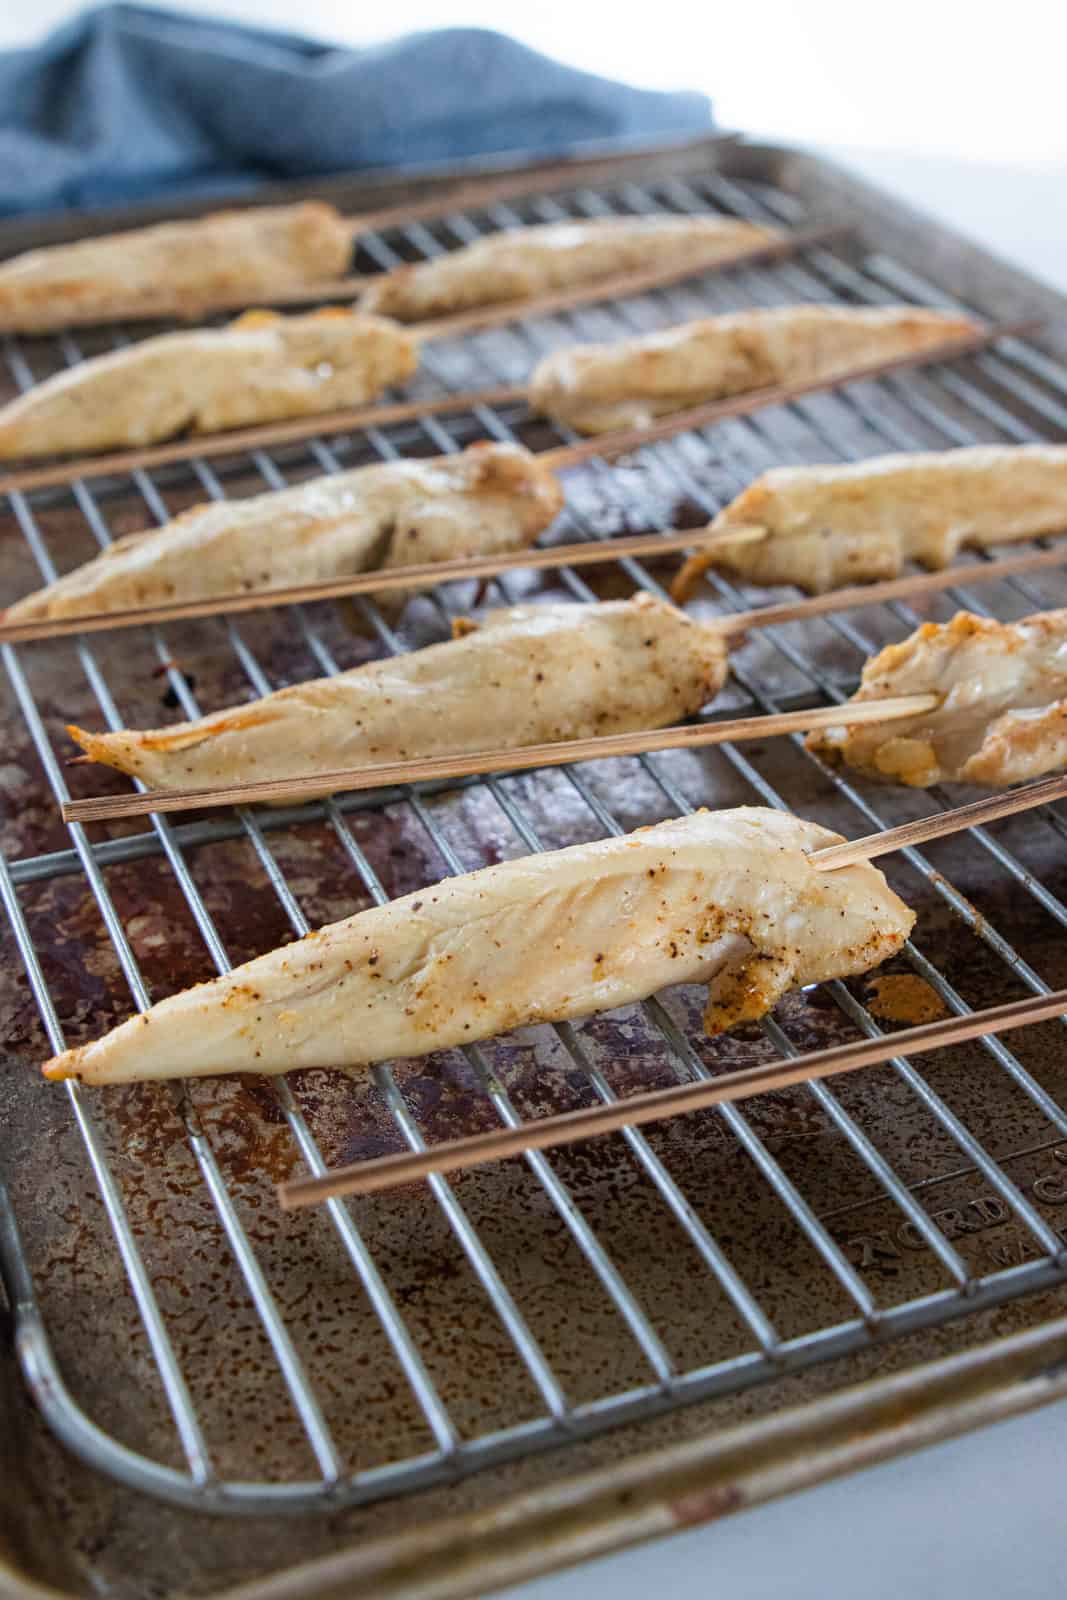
{"x":203,"y":1396}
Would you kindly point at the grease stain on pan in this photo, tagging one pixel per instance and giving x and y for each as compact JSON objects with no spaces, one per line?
{"x":904,"y":997}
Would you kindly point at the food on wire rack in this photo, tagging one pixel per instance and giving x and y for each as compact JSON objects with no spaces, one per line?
{"x":629,"y":383}
{"x":259,"y":368}
{"x":856,"y":522}
{"x":726,"y":898}
{"x":485,"y":500}
{"x":533,"y":674}
{"x":1003,"y":712}
{"x":184,"y":266}
{"x":524,"y":263}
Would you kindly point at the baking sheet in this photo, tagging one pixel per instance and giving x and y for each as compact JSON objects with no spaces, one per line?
{"x":119,"y":1542}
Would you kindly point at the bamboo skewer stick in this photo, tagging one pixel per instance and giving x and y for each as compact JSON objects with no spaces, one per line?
{"x":568,"y":1127}
{"x":271,"y":791}
{"x":427,"y":575}
{"x":941,"y":823}
{"x":587,"y":553}
{"x":604,"y":446}
{"x":911,"y":587}
{"x":481,"y":193}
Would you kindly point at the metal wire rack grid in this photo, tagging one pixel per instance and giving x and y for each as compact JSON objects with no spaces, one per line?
{"x":991,"y":396}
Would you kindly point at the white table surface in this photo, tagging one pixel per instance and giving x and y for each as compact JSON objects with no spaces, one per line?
{"x":979,"y":1518}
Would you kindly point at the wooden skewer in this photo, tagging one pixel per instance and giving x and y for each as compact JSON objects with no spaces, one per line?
{"x":427,"y":575}
{"x":588,"y":553}
{"x":941,"y":823}
{"x":568,"y":1127}
{"x":604,"y":446}
{"x":911,"y":587}
{"x":479,"y":192}
{"x":271,"y":791}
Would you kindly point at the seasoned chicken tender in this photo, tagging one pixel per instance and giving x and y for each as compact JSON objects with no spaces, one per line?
{"x":629,"y":383}
{"x":831,"y":525}
{"x":525,"y":263}
{"x":726,"y":898}
{"x":187,"y":265}
{"x":532,"y":674}
{"x":260,"y":368}
{"x":485,"y":500}
{"x":1003,"y":712}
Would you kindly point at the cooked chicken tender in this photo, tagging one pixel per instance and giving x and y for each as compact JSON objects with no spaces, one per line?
{"x":1003,"y":712}
{"x":532,"y":674}
{"x":524,"y":263}
{"x":726,"y":898}
{"x":629,"y":383}
{"x":486,"y":500}
{"x":832,"y":525}
{"x":186,"y":265}
{"x":260,"y":368}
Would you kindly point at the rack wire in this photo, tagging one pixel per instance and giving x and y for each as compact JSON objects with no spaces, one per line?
{"x":1015,"y":394}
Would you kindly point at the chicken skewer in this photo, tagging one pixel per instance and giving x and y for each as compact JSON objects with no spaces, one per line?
{"x":853,"y":522}
{"x":527,"y":675}
{"x":523,"y":264}
{"x":725,"y":898}
{"x":1001,"y":715}
{"x":598,"y":388}
{"x":261,"y":367}
{"x":533,"y":685}
{"x":454,"y":1155}
{"x":181,"y":267}
{"x":487,"y":499}
{"x":520,"y":758}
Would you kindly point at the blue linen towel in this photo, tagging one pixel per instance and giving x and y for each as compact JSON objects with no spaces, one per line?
{"x":129,"y":102}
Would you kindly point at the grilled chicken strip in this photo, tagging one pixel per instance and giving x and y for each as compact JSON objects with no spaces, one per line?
{"x":1003,"y":713}
{"x":726,"y":898}
{"x":259,"y":368}
{"x":832,"y":525}
{"x":488,"y":499}
{"x":599,"y":387}
{"x":527,"y":262}
{"x":186,"y":265}
{"x":531,"y":674}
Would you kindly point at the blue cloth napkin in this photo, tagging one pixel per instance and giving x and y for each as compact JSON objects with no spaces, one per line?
{"x":128,"y":102}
